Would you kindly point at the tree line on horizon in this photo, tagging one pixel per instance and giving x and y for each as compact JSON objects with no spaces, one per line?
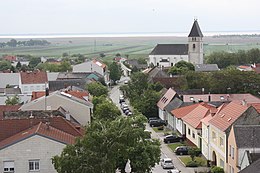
{"x":15,"y":43}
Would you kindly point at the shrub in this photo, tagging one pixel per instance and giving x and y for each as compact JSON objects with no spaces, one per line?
{"x":192,"y":164}
{"x":216,"y":169}
{"x":194,"y":152}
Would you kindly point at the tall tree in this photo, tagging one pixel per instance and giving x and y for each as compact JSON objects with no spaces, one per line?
{"x":5,"y":65}
{"x":34,"y":62}
{"x":12,"y":100}
{"x":115,"y":72}
{"x":97,"y":89}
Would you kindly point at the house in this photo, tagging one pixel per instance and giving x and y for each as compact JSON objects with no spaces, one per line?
{"x":135,"y":63}
{"x":206,"y":67}
{"x":256,"y":68}
{"x":220,"y":125}
{"x":33,"y":81}
{"x":164,"y":101}
{"x":10,"y":58}
{"x":93,"y":66}
{"x":167,"y":55}
{"x":78,"y":109}
{"x":245,"y":68}
{"x":243,"y":144}
{"x":28,"y":145}
{"x":193,"y":125}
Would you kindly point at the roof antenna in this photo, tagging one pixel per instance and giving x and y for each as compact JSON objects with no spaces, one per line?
{"x":31,"y":119}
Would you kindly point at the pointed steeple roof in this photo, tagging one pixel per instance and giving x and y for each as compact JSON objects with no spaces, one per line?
{"x":195,"y":30}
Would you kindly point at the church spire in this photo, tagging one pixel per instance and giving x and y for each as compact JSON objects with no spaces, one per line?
{"x":195,"y":30}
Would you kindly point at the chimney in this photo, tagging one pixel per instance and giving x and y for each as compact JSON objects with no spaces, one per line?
{"x":47,"y":91}
{"x":244,"y":102}
{"x":209,"y":98}
{"x":202,"y":90}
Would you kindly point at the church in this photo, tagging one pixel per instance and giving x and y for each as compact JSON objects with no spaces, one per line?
{"x":167,"y":55}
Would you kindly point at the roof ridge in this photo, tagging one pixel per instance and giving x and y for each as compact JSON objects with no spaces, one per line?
{"x":39,"y":125}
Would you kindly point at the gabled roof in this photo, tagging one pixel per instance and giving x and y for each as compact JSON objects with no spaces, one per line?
{"x":165,"y":100}
{"x":9,"y":78}
{"x":34,"y":77}
{"x":195,"y":30}
{"x":247,"y":136}
{"x":100,"y":64}
{"x":10,"y":127}
{"x":8,"y":108}
{"x":195,"y":116}
{"x":254,"y":167}
{"x":174,"y":104}
{"x":206,"y":67}
{"x":43,"y":130}
{"x":228,"y":115}
{"x":170,"y":49}
{"x":183,"y":111}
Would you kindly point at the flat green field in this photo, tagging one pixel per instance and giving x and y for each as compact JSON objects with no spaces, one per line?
{"x":135,"y":47}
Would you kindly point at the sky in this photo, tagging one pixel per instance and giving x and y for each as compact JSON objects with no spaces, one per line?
{"x":126,"y":16}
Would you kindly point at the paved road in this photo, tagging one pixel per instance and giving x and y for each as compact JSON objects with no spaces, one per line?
{"x":165,"y":151}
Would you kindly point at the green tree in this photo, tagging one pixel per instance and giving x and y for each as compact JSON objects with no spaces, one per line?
{"x":65,"y":54}
{"x":118,"y":55}
{"x":12,"y":100}
{"x":107,"y":145}
{"x":115,"y":72}
{"x":5,"y":65}
{"x":97,"y":89}
{"x":34,"y":62}
{"x":18,"y":65}
{"x":24,"y":68}
{"x":102,"y":55}
{"x":217,"y":169}
{"x":181,"y":67}
{"x":106,"y":110}
{"x":65,"y":66}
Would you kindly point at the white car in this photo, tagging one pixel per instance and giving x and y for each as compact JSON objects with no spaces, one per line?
{"x":173,"y":171}
{"x":166,"y":163}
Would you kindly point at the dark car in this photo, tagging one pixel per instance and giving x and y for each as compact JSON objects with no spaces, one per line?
{"x":182,"y":150}
{"x":157,"y":123}
{"x":153,"y":118}
{"x":172,"y":138}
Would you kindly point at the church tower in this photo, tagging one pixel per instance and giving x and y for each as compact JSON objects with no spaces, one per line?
{"x":195,"y":50}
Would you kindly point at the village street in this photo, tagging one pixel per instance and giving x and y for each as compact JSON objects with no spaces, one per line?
{"x":165,"y":151}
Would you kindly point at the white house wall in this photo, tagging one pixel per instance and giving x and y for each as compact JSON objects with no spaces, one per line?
{"x":35,"y":147}
{"x":161,"y":114}
{"x":29,"y":88}
{"x":179,"y":126}
{"x":194,"y":140}
{"x":241,"y":152}
{"x":205,"y":141}
{"x":173,"y":59}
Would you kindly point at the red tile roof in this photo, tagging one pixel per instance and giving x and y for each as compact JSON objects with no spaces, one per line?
{"x":78,"y":94}
{"x":8,"y":108}
{"x":35,"y":77}
{"x":167,"y":97}
{"x":228,"y":115}
{"x":249,"y":98}
{"x":100,"y":64}
{"x":183,"y":111}
{"x":10,"y":127}
{"x":195,"y":116}
{"x":9,"y":58}
{"x":37,"y":94}
{"x":42,"y":130}
{"x":256,"y":106}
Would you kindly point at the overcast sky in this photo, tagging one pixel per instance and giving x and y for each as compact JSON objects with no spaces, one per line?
{"x":126,"y":16}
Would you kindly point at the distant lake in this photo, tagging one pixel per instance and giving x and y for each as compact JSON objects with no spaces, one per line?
{"x":163,"y":34}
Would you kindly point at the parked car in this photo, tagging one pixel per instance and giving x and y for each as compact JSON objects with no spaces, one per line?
{"x":181,"y":150}
{"x":125,"y":109}
{"x":157,"y":123}
{"x":173,"y":171}
{"x":153,"y":118}
{"x":172,"y":138}
{"x":121,"y":100}
{"x":124,"y":105}
{"x":166,"y":163}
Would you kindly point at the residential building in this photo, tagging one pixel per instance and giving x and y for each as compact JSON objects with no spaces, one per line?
{"x":165,"y":100}
{"x":93,"y":66}
{"x":243,"y":143}
{"x":78,"y":109}
{"x":206,"y":67}
{"x":9,"y":79}
{"x":33,"y":81}
{"x":220,"y":125}
{"x":28,"y":145}
{"x":167,"y":55}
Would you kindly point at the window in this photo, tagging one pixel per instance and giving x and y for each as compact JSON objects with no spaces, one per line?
{"x":157,"y":63}
{"x":193,"y":134}
{"x":214,"y":136}
{"x":232,"y":152}
{"x":221,"y":163}
{"x":171,"y":64}
{"x":221,"y":142}
{"x":189,"y":131}
{"x":8,"y":166}
{"x":34,"y":165}
{"x":193,"y":46}
{"x":229,"y":150}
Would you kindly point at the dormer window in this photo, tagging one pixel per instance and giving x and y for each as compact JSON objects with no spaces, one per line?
{"x":191,"y":98}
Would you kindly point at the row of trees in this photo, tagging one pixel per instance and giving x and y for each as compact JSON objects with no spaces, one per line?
{"x":142,"y":95}
{"x":15,"y":43}
{"x":225,"y":59}
{"x":110,"y":140}
{"x":229,"y":80}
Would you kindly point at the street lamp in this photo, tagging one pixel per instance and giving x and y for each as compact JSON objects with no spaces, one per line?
{"x":128,"y":167}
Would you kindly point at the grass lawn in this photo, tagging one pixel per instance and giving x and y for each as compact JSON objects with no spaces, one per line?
{"x":156,"y":130}
{"x":199,"y":160}
{"x":172,"y":146}
{"x":165,"y":131}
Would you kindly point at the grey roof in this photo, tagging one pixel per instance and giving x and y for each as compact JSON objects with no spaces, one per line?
{"x":247,"y":136}
{"x":61,"y":84}
{"x":170,"y":49}
{"x":253,"y":168}
{"x":195,"y":30}
{"x":52,"y":76}
{"x":174,"y":104}
{"x":206,"y":67}
{"x":10,"y":91}
{"x":253,"y":156}
{"x":9,"y":78}
{"x":156,"y":72}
